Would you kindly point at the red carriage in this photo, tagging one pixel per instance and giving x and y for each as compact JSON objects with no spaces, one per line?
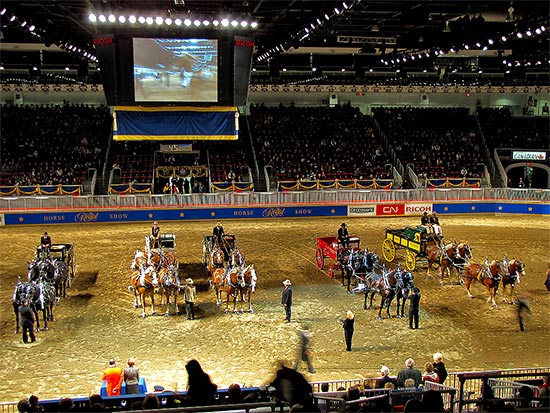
{"x":332,"y":248}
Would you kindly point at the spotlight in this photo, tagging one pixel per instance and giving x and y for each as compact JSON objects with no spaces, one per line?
{"x":31,"y":28}
{"x":336,"y":10}
{"x":519,"y":35}
{"x":132,"y":19}
{"x":187,"y":22}
{"x":102,"y":18}
{"x":538,"y":30}
{"x":197,"y":23}
{"x":244,"y":23}
{"x":168,"y":21}
{"x":149,"y":20}
{"x":234,"y":23}
{"x":12,"y":18}
{"x":177,"y":22}
{"x":141,"y":19}
{"x":206,"y":23}
{"x":504,"y":38}
{"x":92,"y":17}
{"x":254,"y":25}
{"x":216,"y":23}
{"x":490,"y":41}
{"x":159,"y":20}
{"x":3,"y":11}
{"x":67,"y":68}
{"x":24,"y":23}
{"x":327,"y":17}
{"x":225,"y":22}
{"x":529,"y":33}
{"x":111,"y":18}
{"x":122,"y":19}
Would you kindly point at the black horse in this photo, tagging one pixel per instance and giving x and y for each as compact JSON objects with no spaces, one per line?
{"x":357,"y":265}
{"x":390,"y":284}
{"x":41,"y":297}
{"x":50,"y":270}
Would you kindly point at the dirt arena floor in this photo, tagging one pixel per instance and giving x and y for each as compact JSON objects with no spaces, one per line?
{"x":97,"y":320}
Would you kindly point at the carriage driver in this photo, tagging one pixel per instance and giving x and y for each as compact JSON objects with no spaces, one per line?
{"x":45,"y":245}
{"x":434,"y":220}
{"x":343,"y":235}
{"x":155,"y":235}
{"x":218,"y":234}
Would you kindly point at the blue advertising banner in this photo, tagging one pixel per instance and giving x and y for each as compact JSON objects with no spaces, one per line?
{"x":80,"y":217}
{"x":492,"y":208}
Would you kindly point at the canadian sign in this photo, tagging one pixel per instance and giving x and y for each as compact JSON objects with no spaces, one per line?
{"x":418,"y":209}
{"x":390,"y":209}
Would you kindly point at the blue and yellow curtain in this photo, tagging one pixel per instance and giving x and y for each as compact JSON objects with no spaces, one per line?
{"x":195,"y":171}
{"x":336,"y":184}
{"x":132,"y":188}
{"x":232,"y":187}
{"x":454,"y":183}
{"x":137,"y":123}
{"x":52,"y":190}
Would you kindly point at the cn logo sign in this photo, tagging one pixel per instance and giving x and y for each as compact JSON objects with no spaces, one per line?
{"x":391,"y":209}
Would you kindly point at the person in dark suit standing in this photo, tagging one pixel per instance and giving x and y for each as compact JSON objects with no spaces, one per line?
{"x":286,"y":300}
{"x":27,"y":322}
{"x":348,"y":323}
{"x":409,"y":372}
{"x":343,"y":235}
{"x":414,"y":307}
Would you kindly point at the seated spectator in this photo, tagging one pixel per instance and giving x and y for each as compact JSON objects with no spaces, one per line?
{"x":400,"y":399}
{"x":409,"y":372}
{"x":66,"y":404}
{"x":97,"y":404}
{"x":324,"y":387}
{"x":23,"y":406}
{"x":384,"y":378}
{"x":234,"y":394}
{"x":353,"y":393}
{"x":151,"y":402}
{"x":544,"y":392}
{"x":34,"y":406}
{"x":429,"y":373}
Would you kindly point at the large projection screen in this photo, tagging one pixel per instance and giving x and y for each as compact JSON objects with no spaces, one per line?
{"x":175,"y":70}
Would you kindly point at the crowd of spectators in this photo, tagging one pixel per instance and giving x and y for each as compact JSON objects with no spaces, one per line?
{"x":503,"y":130}
{"x":52,"y":144}
{"x":309,"y":143}
{"x":438,"y":142}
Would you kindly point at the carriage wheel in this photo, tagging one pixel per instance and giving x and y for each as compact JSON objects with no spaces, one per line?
{"x":320,"y":258}
{"x":410,"y":261}
{"x":331,"y":270}
{"x":388,"y":250}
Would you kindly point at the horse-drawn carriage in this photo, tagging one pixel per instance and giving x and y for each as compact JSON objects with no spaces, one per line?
{"x":208,"y":244}
{"x":415,"y":240}
{"x":332,"y":248}
{"x":64,"y":253}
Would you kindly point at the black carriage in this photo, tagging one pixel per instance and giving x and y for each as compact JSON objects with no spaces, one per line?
{"x":415,"y":240}
{"x":332,"y":248}
{"x":62,"y":252}
{"x":229,"y":244}
{"x":167,"y":241}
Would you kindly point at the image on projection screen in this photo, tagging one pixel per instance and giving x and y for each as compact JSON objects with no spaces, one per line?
{"x":175,"y":70}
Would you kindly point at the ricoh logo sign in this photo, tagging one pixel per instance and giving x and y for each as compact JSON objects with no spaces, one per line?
{"x":362,"y":210}
{"x":418,"y":209}
{"x":390,"y":209}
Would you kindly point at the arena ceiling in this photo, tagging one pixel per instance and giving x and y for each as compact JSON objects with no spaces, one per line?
{"x":370,"y":27}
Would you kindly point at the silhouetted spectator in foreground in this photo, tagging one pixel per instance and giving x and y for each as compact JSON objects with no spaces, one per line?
{"x":23,"y":406}
{"x":433,"y":401}
{"x":66,"y":405}
{"x":292,"y":387}
{"x":200,"y":389}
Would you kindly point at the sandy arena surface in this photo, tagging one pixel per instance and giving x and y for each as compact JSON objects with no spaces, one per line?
{"x":98,"y":321}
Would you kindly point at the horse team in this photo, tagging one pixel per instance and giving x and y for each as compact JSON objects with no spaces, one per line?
{"x":230,"y":274}
{"x":47,"y":281}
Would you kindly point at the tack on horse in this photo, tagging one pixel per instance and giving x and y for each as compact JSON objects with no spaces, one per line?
{"x":513,"y":270}
{"x":239,"y":284}
{"x":169,"y":284}
{"x":488,"y":275}
{"x":143,"y":283}
{"x":216,"y":270}
{"x":159,"y":257}
{"x":391,"y":284}
{"x":41,"y":297}
{"x":449,"y":257}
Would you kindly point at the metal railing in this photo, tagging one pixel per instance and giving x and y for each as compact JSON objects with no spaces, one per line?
{"x":271,"y":198}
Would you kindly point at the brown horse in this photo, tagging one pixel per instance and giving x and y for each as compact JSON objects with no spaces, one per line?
{"x":158,"y":257}
{"x":488,"y":275}
{"x":450,"y":257}
{"x":240,"y":282}
{"x":217,"y":271}
{"x":236,"y":258}
{"x":143,"y":283}
{"x":513,"y":270}
{"x":170,"y":285}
